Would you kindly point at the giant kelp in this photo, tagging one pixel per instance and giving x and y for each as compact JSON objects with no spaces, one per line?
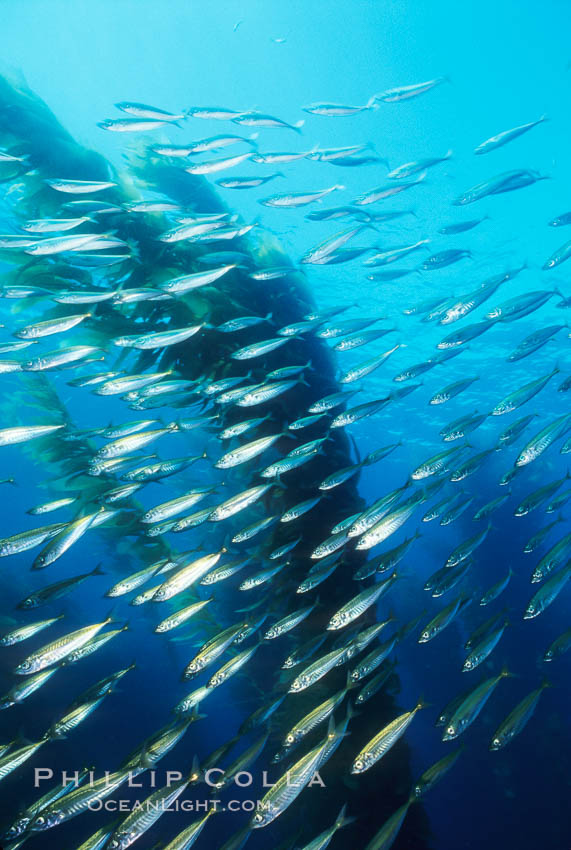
{"x":28,"y":128}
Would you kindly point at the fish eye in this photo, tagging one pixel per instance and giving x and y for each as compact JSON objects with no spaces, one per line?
{"x":258,"y":818}
{"x":450,"y":730}
{"x":358,"y":765}
{"x":496,"y":742}
{"x":290,"y":739}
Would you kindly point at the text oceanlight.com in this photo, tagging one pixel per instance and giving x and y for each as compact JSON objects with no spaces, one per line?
{"x":122,"y":806}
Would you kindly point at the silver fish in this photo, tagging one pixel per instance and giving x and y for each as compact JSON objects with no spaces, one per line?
{"x":517,"y":720}
{"x":506,"y":136}
{"x":381,"y":743}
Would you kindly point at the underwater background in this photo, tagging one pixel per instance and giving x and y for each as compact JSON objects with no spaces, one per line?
{"x":505,"y":64}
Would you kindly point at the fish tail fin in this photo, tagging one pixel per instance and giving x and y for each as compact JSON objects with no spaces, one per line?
{"x":505,"y":673}
{"x":342,"y":820}
{"x":111,"y":616}
{"x":195,"y":714}
{"x":298,"y":125}
{"x":97,"y":571}
{"x":351,"y":713}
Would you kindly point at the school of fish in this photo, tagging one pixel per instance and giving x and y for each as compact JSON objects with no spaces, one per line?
{"x":89,"y":316}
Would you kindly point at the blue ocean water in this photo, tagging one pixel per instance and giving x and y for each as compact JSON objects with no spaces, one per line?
{"x":506,"y":64}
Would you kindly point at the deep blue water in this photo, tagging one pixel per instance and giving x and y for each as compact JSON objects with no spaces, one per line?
{"x":507,"y":64}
